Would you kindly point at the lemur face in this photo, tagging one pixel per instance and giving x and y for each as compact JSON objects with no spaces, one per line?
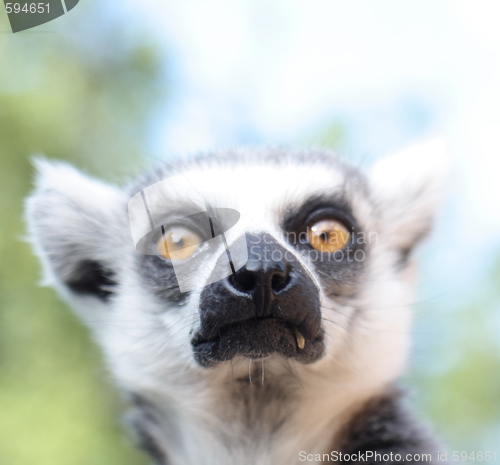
{"x":295,"y":247}
{"x":287,"y":258}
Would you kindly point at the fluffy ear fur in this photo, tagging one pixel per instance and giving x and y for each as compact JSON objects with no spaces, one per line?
{"x":74,"y":223}
{"x":409,"y":186}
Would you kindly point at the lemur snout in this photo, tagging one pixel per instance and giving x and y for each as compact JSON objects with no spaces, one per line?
{"x":271,"y":305}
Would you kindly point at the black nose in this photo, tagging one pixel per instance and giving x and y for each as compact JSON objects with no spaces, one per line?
{"x":269,"y":305}
{"x":263,"y":280}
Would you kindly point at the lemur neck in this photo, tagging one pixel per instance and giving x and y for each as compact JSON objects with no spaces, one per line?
{"x":245,"y":422}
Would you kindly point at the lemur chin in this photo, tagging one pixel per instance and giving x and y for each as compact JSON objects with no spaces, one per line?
{"x":253,"y":305}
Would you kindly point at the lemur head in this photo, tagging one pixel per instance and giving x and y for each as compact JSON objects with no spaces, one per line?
{"x":279,"y":257}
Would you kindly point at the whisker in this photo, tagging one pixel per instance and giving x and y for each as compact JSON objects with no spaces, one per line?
{"x":297,"y":374}
{"x":293,"y":372}
{"x":138,"y":342}
{"x":406,"y":304}
{"x":352,"y":321}
{"x":171,"y":336}
{"x":232,"y":374}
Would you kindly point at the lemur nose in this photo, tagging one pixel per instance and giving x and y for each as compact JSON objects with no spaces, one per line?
{"x":271,"y":275}
{"x":262,"y":280}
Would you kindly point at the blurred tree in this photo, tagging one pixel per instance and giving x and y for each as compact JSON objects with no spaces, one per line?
{"x":329,"y":136}
{"x":84,"y":93}
{"x":458,"y":375}
{"x":332,"y":136}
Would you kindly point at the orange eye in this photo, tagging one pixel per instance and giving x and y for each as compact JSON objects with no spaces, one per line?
{"x":328,"y":236}
{"x":178,"y":243}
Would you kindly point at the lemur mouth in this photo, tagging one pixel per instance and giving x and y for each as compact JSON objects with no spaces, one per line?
{"x":255,"y":339}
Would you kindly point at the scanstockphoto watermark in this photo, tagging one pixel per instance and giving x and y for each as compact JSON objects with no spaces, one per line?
{"x":366,"y":456}
{"x":372,"y":456}
{"x":26,"y":15}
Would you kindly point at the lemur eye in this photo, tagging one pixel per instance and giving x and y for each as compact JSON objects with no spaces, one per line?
{"x":178,"y":243}
{"x":328,"y":236}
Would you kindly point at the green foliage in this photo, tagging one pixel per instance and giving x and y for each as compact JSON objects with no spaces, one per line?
{"x":83,"y":94}
{"x":462,"y":396}
{"x":330,"y":136}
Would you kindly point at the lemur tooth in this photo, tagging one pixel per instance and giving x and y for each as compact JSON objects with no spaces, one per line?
{"x":301,"y":342}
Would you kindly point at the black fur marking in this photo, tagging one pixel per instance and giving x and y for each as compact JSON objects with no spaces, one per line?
{"x":92,"y":278}
{"x":159,"y":276}
{"x":148,"y":445}
{"x":140,"y":420}
{"x":385,"y":426}
{"x":341,"y":271}
{"x":404,"y":257}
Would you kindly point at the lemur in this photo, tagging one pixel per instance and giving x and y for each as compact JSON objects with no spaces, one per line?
{"x":253,"y":305}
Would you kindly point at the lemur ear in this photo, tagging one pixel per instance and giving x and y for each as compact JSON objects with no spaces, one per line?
{"x":75,"y":223}
{"x":409,"y":186}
